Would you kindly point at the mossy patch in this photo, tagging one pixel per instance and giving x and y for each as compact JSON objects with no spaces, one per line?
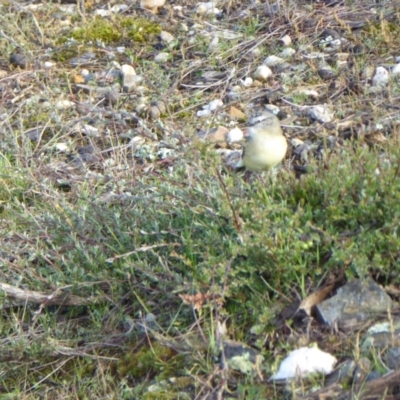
{"x":148,"y":360}
{"x":116,"y":29}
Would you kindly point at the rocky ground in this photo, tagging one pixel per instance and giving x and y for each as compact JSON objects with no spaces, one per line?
{"x":136,"y":263}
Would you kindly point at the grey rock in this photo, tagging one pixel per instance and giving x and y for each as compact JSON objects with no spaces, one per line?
{"x":83,"y":59}
{"x":166,"y":37}
{"x":129,"y":78}
{"x":18,"y":60}
{"x":273,"y":61}
{"x":381,"y":339}
{"x":354,"y":303}
{"x":358,"y":49}
{"x":326,"y":73}
{"x":34,"y":134}
{"x":392,"y":358}
{"x":241,"y":358}
{"x":343,"y":373}
{"x":156,"y":109}
{"x":283,"y":67}
{"x":321,"y":113}
{"x":154,"y":112}
{"x":89,"y":158}
{"x":329,"y":34}
{"x":85,"y":149}
{"x":302,"y":150}
{"x":131,"y":82}
{"x":113,"y":96}
{"x":373,"y":375}
{"x":362,"y":370}
{"x":85,"y":88}
{"x":162,"y":57}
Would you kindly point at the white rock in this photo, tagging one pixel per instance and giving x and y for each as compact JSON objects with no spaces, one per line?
{"x":161,"y":57}
{"x":342,"y":56}
{"x":127,"y":69}
{"x":334,"y":45}
{"x":321,"y":113}
{"x":68,"y":8}
{"x":120,"y":49}
{"x":213,"y":105}
{"x":85,"y":129}
{"x":285,"y":40}
{"x":210,"y":107}
{"x":308,"y":92}
{"x":119,"y":8}
{"x":203,"y":113}
{"x":234,"y":135}
{"x":196,"y":27}
{"x":166,"y":36}
{"x":64,"y":104}
{"x":90,"y":130}
{"x":214,"y":44}
{"x":152,"y":5}
{"x":116,"y":64}
{"x":381,"y":77}
{"x":296,"y":142}
{"x":305,"y":361}
{"x":32,"y":7}
{"x":367,"y":72}
{"x":103,"y":13}
{"x":273,"y":61}
{"x":109,"y":162}
{"x":287,"y":53}
{"x":207,"y":8}
{"x":262,"y":73}
{"x":227,"y":34}
{"x":141,"y":107}
{"x":49,"y":64}
{"x":256,"y":52}
{"x":247,"y":82}
{"x":62,"y":147}
{"x":201,"y":8}
{"x":396,"y":69}
{"x":182,"y":27}
{"x":314,"y":54}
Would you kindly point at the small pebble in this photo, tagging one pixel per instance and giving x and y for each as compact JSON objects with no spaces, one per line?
{"x":320,"y":113}
{"x":48,"y":65}
{"x":18,"y":60}
{"x":262,"y":73}
{"x":381,"y":77}
{"x":234,"y":135}
{"x":273,"y":61}
{"x":161,"y":57}
{"x":287,"y":53}
{"x":61,"y":147}
{"x":64,"y":104}
{"x":247,"y":82}
{"x":112,"y":96}
{"x":207,"y":8}
{"x":396,"y":69}
{"x":285,"y":40}
{"x":166,"y":37}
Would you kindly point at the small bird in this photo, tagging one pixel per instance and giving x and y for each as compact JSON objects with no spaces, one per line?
{"x":265,"y":146}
